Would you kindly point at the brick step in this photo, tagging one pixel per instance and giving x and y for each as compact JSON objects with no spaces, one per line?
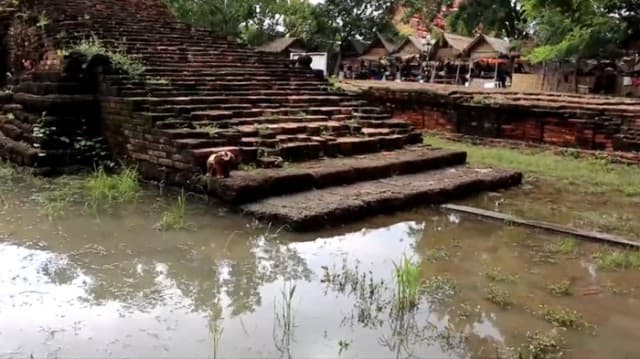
{"x":318,"y":208}
{"x":248,"y":186}
{"x":269,"y":114}
{"x":204,"y":81}
{"x":315,"y":147}
{"x":223,"y":73}
{"x":213,"y":93}
{"x":382,"y":116}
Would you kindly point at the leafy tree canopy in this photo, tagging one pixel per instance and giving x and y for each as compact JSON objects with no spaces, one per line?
{"x":502,"y":18}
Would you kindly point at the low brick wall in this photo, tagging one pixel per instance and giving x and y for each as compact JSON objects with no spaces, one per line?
{"x":609,"y":130}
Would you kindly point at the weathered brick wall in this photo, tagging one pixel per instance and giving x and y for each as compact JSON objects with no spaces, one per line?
{"x":611,"y":131}
{"x":131,"y":138}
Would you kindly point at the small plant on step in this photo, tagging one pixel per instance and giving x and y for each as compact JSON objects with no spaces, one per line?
{"x":325,"y":130}
{"x":247,"y":167}
{"x":211,"y":129}
{"x":175,"y":217}
{"x":262,"y":130}
{"x":43,"y":21}
{"x":119,"y":59}
{"x":157,"y":81}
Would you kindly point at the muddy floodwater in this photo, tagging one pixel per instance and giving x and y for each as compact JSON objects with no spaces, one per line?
{"x":112,"y":285}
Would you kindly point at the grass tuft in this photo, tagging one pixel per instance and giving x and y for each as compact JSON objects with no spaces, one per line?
{"x":440,"y":288}
{"x":499,"y":297}
{"x":561,"y":289}
{"x":543,"y":346}
{"x":563,"y":317}
{"x":104,"y":190}
{"x":408,"y":280}
{"x":175,"y":217}
{"x":497,"y":275}
{"x":618,"y":260}
{"x":565,"y":246}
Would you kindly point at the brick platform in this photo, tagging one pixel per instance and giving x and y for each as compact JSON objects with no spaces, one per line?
{"x":198,"y":95}
{"x":588,"y":122}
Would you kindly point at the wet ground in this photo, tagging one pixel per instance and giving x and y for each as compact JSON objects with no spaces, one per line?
{"x":111,"y":285}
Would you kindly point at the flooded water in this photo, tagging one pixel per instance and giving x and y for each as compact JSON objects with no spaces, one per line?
{"x":113,"y":286}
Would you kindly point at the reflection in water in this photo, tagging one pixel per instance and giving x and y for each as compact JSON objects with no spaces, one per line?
{"x":114,"y":287}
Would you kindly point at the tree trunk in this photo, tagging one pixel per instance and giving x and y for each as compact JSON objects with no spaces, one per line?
{"x":336,"y":68}
{"x":575,"y":77}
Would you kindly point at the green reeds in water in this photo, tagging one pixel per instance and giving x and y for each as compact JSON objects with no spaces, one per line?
{"x":284,"y":328}
{"x":104,"y":190}
{"x":175,"y":217}
{"x":408,"y":283}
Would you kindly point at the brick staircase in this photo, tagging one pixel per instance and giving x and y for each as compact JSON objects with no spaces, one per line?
{"x":200,"y":94}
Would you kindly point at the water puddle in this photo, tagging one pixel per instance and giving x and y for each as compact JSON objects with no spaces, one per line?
{"x":113,"y":286}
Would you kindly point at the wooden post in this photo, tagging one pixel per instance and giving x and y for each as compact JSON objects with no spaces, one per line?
{"x":544,"y":75}
{"x":458,"y":73}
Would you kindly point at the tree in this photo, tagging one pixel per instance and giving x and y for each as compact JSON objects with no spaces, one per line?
{"x":426,"y":10}
{"x":223,"y":17}
{"x":573,"y":29}
{"x":505,"y":18}
{"x":341,"y":20}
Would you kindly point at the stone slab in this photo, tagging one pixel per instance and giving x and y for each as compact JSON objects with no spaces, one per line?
{"x":247,"y":186}
{"x":338,"y":205}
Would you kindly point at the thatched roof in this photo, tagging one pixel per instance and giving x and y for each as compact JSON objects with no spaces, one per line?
{"x":281,"y":44}
{"x":378,"y":48}
{"x":498,"y":45}
{"x":412,"y":46}
{"x":457,"y":42}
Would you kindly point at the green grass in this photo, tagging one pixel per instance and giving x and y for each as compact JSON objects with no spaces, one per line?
{"x":618,"y":260}
{"x":6,"y":171}
{"x":175,"y":217}
{"x":119,"y":60}
{"x":542,"y":346}
{"x":563,"y":317}
{"x":565,"y":246}
{"x":408,"y":277}
{"x":440,"y":288}
{"x":104,"y":189}
{"x":497,"y":275}
{"x":592,"y":175}
{"x":500,"y":297}
{"x":561,"y":289}
{"x":285,"y":321}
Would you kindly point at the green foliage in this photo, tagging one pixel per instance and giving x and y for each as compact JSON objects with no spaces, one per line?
{"x":590,"y":175}
{"x":175,"y":217}
{"x":561,"y":289}
{"x":119,"y":59}
{"x":408,"y":277}
{"x":440,"y":288}
{"x":498,"y":296}
{"x":618,"y":260}
{"x":497,"y":275}
{"x":543,"y":346}
{"x":427,"y":11}
{"x":563,"y":317}
{"x":104,"y":189}
{"x":503,"y":18}
{"x":564,"y":246}
{"x":573,"y":30}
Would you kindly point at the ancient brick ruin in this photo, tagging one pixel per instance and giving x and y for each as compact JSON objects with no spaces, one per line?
{"x":199,"y":95}
{"x":584,"y":122}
